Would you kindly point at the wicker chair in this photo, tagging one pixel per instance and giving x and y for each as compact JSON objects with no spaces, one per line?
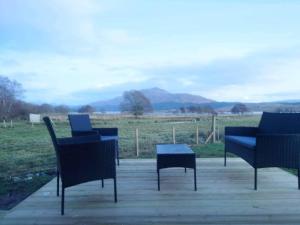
{"x":274,"y":143}
{"x":81,"y":126}
{"x":82,"y":159}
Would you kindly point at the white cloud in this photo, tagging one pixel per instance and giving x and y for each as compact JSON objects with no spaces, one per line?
{"x":63,"y":75}
{"x":119,"y":36}
{"x":278,"y":80}
{"x":64,"y":23}
{"x":59,"y":47}
{"x":57,"y":77}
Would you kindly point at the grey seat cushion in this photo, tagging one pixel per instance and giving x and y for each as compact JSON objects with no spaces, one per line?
{"x":248,"y":142}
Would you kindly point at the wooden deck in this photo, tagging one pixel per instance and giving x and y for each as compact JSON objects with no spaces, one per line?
{"x":224,"y":196}
{"x":2,"y":214}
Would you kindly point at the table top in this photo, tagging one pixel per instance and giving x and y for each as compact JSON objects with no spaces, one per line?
{"x":173,"y":149}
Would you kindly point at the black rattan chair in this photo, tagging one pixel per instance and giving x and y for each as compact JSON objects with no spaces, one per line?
{"x":81,"y":126}
{"x":82,"y":159}
{"x":274,"y":143}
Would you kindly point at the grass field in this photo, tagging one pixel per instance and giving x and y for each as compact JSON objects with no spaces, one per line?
{"x":27,"y":158}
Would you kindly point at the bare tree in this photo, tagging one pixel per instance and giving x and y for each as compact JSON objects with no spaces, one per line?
{"x":86,"y":109}
{"x":135,"y":103}
{"x":62,"y":109}
{"x":46,"y":108}
{"x":239,"y":108}
{"x":182,"y":109}
{"x":10,"y":91}
{"x":22,"y":109}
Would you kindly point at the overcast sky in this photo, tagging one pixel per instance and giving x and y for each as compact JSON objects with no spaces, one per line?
{"x":80,"y":51}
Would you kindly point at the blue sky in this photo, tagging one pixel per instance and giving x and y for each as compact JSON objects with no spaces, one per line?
{"x":76,"y":52}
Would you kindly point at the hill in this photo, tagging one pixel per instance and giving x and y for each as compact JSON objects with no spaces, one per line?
{"x":160,"y":99}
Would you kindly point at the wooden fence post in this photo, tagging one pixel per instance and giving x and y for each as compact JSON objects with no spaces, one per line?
{"x":137,"y":141}
{"x":174,"y":138}
{"x":214,"y":128}
{"x":11,"y":124}
{"x":197,"y":135}
{"x":4,"y":123}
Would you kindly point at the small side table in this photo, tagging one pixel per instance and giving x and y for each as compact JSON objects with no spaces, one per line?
{"x":175,"y":155}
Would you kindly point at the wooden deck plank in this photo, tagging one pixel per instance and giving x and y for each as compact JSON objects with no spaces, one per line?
{"x":224,"y":196}
{"x":3,"y":213}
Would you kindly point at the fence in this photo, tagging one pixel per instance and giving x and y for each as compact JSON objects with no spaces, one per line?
{"x":146,"y":138}
{"x":26,"y":149}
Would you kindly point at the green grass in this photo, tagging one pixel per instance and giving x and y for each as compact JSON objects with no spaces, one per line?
{"x":26,"y":150}
{"x":209,"y":150}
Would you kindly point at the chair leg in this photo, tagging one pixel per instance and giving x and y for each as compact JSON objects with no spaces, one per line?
{"x":118,"y":158}
{"x":158,"y":180}
{"x":255,"y":178}
{"x":115,"y":189}
{"x":225,"y":158}
{"x":102,"y":183}
{"x":185,"y":169}
{"x":299,"y":178}
{"x":57,"y":183}
{"x":117,"y":153}
{"x":195,"y":179}
{"x":63,"y":201}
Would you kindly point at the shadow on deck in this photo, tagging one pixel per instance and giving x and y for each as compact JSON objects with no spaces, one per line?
{"x":224,"y":196}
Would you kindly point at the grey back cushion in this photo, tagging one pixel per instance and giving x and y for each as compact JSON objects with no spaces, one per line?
{"x":80,"y":122}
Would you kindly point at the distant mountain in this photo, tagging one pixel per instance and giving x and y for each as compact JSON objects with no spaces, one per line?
{"x":160,"y":99}
{"x":157,"y":95}
{"x":292,"y":101}
{"x":164,"y":100}
{"x":108,"y":105}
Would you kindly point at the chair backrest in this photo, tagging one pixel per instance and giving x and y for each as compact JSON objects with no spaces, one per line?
{"x":54,"y":140}
{"x":51,"y":132}
{"x":280,"y":123}
{"x":80,"y":122}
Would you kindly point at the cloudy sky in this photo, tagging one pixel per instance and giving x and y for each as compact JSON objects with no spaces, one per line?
{"x":80,"y":51}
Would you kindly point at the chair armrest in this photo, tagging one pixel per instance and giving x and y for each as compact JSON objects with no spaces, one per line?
{"x":280,"y":150}
{"x":84,"y":133}
{"x":107,"y":131}
{"x":241,"y":131}
{"x":78,"y":140}
{"x":75,"y":145}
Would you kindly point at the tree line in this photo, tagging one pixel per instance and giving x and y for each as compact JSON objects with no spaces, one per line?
{"x":134,"y":102}
{"x":197,"y":109}
{"x":11,"y":105}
